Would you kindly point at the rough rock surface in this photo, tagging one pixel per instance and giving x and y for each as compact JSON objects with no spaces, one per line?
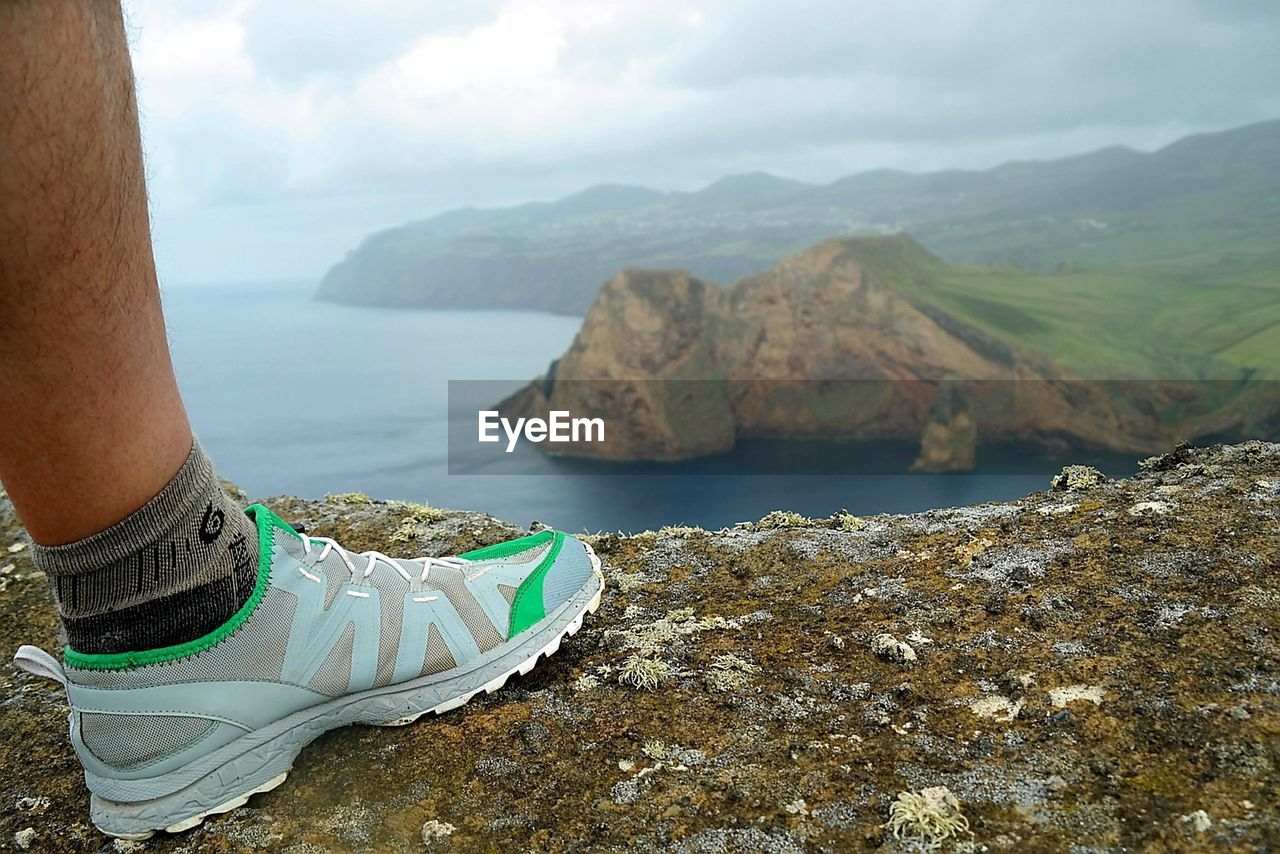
{"x":1093,"y":670}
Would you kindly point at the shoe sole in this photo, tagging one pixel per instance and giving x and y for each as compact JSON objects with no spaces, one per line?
{"x":264,"y":762}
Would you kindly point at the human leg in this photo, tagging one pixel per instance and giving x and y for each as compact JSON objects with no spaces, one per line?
{"x":142,"y":546}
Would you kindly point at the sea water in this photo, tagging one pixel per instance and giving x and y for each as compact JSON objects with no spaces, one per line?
{"x":294,"y":396}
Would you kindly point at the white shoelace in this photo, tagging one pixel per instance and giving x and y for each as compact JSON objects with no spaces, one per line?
{"x":329,"y":545}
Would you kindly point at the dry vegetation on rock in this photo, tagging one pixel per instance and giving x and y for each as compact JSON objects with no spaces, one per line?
{"x":1085,"y":676}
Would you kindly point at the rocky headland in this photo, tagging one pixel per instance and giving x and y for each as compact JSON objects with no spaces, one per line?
{"x":829,"y":344}
{"x":1095,"y":667}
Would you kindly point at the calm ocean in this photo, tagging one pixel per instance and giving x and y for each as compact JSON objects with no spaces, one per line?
{"x":300,"y":397}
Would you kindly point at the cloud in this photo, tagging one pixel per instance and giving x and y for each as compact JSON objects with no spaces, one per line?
{"x":353,"y":117}
{"x":335,"y":41}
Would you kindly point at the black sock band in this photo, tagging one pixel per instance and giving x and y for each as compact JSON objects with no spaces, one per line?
{"x":170,"y":572}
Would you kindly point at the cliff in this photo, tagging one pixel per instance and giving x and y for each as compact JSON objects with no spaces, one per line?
{"x":1089,"y":668}
{"x":830,"y":343}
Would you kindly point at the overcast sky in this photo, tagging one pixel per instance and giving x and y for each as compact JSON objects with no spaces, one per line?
{"x":279,"y":133}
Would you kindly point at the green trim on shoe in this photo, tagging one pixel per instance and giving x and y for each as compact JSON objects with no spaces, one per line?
{"x":510,"y":548}
{"x":527,"y":608}
{"x":267,"y":523}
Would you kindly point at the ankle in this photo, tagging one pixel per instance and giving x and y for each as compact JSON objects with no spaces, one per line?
{"x":174,"y":570}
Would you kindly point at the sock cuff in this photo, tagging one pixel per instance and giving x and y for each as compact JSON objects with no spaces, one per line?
{"x":139,"y":529}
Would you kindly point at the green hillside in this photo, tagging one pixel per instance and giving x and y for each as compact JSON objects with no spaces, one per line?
{"x":1207,"y":335}
{"x":1171,"y":319}
{"x":1204,"y":209}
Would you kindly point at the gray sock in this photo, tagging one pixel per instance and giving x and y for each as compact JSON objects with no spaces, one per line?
{"x":170,"y":572}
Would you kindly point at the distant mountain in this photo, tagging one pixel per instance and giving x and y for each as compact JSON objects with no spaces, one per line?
{"x":1215,"y":194}
{"x":843,"y":340}
{"x":753,"y":188}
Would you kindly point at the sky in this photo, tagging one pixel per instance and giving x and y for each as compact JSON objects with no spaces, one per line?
{"x":280,"y":133}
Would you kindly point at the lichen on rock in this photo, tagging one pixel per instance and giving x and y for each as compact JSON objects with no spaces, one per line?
{"x":1084,"y":678}
{"x":931,"y":816}
{"x":644,"y":671}
{"x":729,"y":672}
{"x":1077,"y":478}
{"x":782,"y":519}
{"x":889,"y":648}
{"x":995,"y":707}
{"x":348,"y":498}
{"x":1060,"y":697}
{"x":434,"y":831}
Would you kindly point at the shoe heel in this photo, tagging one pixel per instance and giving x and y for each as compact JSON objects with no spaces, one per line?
{"x":183,"y":809}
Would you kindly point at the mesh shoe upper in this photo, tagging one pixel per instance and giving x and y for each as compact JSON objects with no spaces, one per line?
{"x":327,"y":623}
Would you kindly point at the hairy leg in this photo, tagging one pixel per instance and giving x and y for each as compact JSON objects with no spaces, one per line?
{"x":91,"y":422}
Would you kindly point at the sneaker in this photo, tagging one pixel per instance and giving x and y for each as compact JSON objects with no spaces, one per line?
{"x":328,"y":638}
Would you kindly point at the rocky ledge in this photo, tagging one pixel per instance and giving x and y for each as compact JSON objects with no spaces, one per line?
{"x":1091,"y":668}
